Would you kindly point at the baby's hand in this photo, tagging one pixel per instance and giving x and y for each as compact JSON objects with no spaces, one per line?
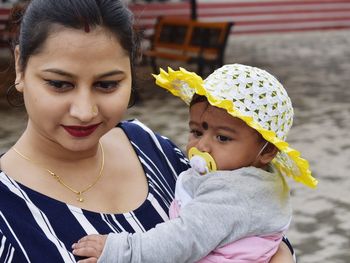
{"x":90,"y":246}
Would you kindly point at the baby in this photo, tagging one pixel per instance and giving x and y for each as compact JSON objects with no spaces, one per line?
{"x":234,"y":201}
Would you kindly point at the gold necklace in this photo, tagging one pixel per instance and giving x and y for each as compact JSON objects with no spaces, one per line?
{"x":59,"y":179}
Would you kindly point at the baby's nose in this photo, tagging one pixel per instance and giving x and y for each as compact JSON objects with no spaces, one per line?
{"x":204,"y":144}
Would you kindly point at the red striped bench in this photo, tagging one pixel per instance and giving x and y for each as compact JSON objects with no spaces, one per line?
{"x":255,"y":16}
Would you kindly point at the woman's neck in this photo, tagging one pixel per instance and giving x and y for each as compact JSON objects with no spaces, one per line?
{"x":40,"y":147}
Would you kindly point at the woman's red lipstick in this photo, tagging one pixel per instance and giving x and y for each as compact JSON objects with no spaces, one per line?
{"x":81,"y":131}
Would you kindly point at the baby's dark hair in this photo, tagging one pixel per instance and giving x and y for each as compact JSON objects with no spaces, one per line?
{"x":198,"y":98}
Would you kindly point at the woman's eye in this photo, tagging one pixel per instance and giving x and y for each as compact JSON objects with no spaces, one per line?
{"x":222,"y":138}
{"x":106,"y":85}
{"x":196,"y":133}
{"x":59,"y":84}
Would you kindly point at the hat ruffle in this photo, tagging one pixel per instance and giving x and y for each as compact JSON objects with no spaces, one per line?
{"x":185,"y":84}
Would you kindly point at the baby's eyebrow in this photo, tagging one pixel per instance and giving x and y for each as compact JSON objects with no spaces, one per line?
{"x":226,"y":128}
{"x":205,"y":126}
{"x":191,"y":123}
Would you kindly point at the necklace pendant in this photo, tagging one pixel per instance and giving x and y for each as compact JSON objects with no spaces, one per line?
{"x":80,"y":198}
{"x":79,"y":194}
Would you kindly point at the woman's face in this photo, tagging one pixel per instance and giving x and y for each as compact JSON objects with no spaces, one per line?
{"x":76,"y":88}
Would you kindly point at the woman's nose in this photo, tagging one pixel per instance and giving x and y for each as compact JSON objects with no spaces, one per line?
{"x":83,"y":108}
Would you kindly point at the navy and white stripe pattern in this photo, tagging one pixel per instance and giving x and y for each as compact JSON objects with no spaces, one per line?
{"x":36,"y":228}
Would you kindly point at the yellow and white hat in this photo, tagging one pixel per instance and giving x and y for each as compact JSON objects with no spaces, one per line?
{"x":254,"y":96}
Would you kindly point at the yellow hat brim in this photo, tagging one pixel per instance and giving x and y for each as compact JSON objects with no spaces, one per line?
{"x":185,"y":84}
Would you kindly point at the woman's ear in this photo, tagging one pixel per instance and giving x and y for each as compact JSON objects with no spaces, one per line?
{"x":19,"y":73}
{"x":267,"y":154}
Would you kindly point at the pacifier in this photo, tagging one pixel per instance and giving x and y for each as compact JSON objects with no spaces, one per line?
{"x":202,"y":162}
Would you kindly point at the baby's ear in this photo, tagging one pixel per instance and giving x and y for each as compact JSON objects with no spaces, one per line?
{"x":268,"y":154}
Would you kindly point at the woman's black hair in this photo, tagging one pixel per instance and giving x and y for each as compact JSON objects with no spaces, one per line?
{"x":40,"y":16}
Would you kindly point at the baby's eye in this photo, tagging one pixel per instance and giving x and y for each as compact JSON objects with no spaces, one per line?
{"x":107,"y":85}
{"x":59,"y":85}
{"x":222,"y":138}
{"x":196,"y":133}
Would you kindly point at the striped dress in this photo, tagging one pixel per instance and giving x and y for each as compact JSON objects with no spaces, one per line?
{"x":37,"y":228}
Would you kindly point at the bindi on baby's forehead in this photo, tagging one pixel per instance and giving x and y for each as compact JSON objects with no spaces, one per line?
{"x":205,"y":125}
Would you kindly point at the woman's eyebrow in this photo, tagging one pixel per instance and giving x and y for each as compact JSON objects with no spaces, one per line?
{"x":59,"y":72}
{"x":67,"y":74}
{"x":110,"y":73}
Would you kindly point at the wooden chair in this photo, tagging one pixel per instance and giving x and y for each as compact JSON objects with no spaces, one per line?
{"x":190,"y":41}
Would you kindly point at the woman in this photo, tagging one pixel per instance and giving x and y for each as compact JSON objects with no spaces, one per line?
{"x":72,"y":172}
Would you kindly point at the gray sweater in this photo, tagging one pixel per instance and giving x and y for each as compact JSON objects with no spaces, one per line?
{"x":226,"y":206}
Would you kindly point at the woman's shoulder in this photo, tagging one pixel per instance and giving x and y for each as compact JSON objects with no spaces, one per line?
{"x":153,"y":145}
{"x":142,"y":136}
{"x":135,"y":128}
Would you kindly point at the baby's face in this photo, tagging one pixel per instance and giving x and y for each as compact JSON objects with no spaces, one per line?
{"x":229,"y":140}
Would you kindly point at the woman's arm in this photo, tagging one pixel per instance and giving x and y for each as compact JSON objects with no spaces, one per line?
{"x":283,"y":254}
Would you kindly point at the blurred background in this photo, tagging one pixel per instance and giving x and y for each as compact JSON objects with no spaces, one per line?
{"x":305,"y":44}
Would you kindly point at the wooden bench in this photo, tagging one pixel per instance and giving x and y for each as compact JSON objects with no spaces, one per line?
{"x":189,"y":41}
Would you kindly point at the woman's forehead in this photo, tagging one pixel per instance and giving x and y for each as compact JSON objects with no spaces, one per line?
{"x":64,"y":37}
{"x":74,"y":49}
